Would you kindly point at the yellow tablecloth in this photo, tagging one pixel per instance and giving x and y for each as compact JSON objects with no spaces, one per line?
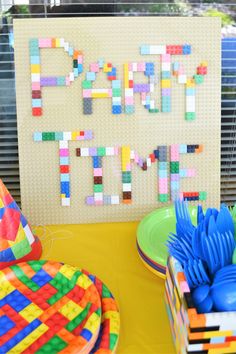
{"x":109,"y":251}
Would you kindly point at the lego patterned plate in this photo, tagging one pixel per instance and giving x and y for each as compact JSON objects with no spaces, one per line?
{"x":47,"y":307}
{"x":153,"y":232}
{"x":109,"y":333}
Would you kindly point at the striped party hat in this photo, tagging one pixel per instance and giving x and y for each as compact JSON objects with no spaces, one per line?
{"x":17,"y":242}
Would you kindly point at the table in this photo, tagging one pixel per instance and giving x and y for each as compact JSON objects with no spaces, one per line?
{"x":109,"y":251}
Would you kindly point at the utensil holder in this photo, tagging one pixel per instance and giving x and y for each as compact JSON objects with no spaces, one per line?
{"x":193,"y":333}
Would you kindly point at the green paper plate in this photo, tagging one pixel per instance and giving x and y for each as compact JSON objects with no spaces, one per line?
{"x":153,"y":232}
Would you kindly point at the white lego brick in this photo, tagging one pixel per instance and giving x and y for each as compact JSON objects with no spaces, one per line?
{"x":65,"y":201}
{"x":35,"y":77}
{"x":84,"y":152}
{"x":157,"y":49}
{"x":29,"y":234}
{"x":66,"y":46}
{"x":71,"y":77}
{"x":115,"y":199}
{"x":152,"y":87}
{"x":165,"y":66}
{"x":130,"y":75}
{"x":98,"y":197}
{"x":132,"y":154}
{"x":152,"y":104}
{"x":149,"y":162}
{"x":182,"y":79}
{"x":116,"y":99}
{"x":110,"y":151}
{"x":126,"y":187}
{"x":129,"y":92}
{"x":100,"y":91}
{"x":67,"y":135}
{"x":135,"y":67}
{"x":62,"y":42}
{"x":63,"y":144}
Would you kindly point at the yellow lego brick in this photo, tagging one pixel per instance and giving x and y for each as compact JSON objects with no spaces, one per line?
{"x":125,"y":157}
{"x":1,"y":203}
{"x":74,"y":135}
{"x":83,"y":281}
{"x":100,"y":95}
{"x":106,"y":68}
{"x":165,"y":83}
{"x":6,"y":287}
{"x":35,"y":68}
{"x":93,"y":323}
{"x":27,"y":341}
{"x":115,"y":321}
{"x":58,"y":43}
{"x":30,"y":312}
{"x":126,"y":75}
{"x":63,"y":195}
{"x":70,"y":310}
{"x":190,"y":83}
{"x":68,"y":271}
{"x":204,"y":63}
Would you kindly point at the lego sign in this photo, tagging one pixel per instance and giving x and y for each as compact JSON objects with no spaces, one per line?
{"x":93,"y":104}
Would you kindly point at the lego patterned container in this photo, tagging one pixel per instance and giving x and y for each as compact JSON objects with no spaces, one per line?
{"x":209,"y":333}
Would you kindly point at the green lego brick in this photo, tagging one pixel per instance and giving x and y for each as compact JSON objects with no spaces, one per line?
{"x":113,"y":341}
{"x":20,"y":249}
{"x":163,"y":198}
{"x":24,"y":278}
{"x":49,"y":346}
{"x":174,"y":167}
{"x":126,"y":177}
{"x":198,"y":79}
{"x":78,"y":319}
{"x":190,"y":115}
{"x":202,"y":195}
{"x":154,"y":110}
{"x":97,"y":188}
{"x":86,"y":84}
{"x":116,"y":92}
{"x":101,"y":151}
{"x":48,"y":136}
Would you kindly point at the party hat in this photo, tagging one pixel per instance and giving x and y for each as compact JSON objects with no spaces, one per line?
{"x":17,"y":242}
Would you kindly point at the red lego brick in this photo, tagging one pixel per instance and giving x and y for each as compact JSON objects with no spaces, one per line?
{"x":37,"y":111}
{"x":64,"y":169}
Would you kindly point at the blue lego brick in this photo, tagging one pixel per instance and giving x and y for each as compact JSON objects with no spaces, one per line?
{"x":20,"y":336}
{"x":15,"y":300}
{"x":149,"y":69}
{"x":80,"y":68}
{"x":41,"y":277}
{"x":174,"y":185}
{"x":85,"y":333}
{"x":162,"y":173}
{"x":144,"y":49}
{"x":156,"y":153}
{"x":38,"y":136}
{"x":13,"y":205}
{"x":33,"y":42}
{"x":58,"y":136}
{"x":190,"y":91}
{"x":165,"y":74}
{"x":183,"y":149}
{"x":186,"y":49}
{"x":90,"y":76}
{"x":163,"y":165}
{"x":71,"y":51}
{"x":112,"y":72}
{"x":65,"y":177}
{"x":101,"y":63}
{"x":97,"y":161}
{"x":65,"y":188}
{"x":36,"y":102}
{"x":2,"y":210}
{"x":5,"y":325}
{"x":116,"y":84}
{"x":116,"y":109}
{"x":34,"y":59}
{"x":182,"y":173}
{"x":64,"y":160}
{"x":129,"y":109}
{"x":92,"y":278}
{"x":76,"y":72}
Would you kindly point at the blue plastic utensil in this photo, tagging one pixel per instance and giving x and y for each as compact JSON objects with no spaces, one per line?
{"x":223,"y":295}
{"x":195,"y":273}
{"x":202,"y":299}
{"x":200,"y":214}
{"x":224,"y":221}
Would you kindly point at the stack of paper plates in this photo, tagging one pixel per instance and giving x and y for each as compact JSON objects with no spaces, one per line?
{"x":152,"y":235}
{"x":50,"y":307}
